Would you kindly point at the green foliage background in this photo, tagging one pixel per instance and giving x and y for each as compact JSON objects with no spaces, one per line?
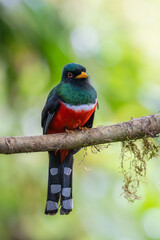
{"x":118,"y":42}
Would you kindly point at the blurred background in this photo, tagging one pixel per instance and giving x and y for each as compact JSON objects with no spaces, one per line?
{"x":119,"y":44}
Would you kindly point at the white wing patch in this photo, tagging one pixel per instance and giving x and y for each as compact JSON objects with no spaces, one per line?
{"x":83,"y":107}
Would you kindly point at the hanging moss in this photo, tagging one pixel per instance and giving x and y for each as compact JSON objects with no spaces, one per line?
{"x":134,"y":157}
{"x":97,"y":148}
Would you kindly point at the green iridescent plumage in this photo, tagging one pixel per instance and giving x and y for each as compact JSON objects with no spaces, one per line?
{"x":74,"y":95}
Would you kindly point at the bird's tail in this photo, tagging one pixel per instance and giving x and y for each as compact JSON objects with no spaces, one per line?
{"x":59,"y":184}
{"x":66,"y":181}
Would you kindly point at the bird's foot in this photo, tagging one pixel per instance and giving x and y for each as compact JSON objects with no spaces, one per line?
{"x":83,"y":129}
{"x":69,"y":131}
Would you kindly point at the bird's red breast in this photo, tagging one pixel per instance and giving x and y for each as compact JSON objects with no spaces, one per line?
{"x":70,"y":117}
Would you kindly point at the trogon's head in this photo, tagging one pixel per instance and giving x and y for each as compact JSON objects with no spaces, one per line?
{"x":73,"y":72}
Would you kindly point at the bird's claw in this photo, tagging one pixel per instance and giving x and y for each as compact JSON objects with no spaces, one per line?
{"x":69,"y":131}
{"x":83,"y":129}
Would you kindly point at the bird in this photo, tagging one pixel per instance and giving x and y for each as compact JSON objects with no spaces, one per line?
{"x":70,"y":105}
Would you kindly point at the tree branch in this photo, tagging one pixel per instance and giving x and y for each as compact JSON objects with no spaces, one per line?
{"x":134,"y":129}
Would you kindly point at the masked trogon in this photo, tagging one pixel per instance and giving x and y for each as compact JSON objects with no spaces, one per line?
{"x":70,"y":105}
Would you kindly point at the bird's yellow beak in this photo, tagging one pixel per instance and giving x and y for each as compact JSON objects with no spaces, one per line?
{"x":82,"y":75}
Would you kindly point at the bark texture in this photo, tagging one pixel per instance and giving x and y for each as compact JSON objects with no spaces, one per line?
{"x":134,"y":129}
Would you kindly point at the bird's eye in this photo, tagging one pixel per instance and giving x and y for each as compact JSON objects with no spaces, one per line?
{"x":70,"y":75}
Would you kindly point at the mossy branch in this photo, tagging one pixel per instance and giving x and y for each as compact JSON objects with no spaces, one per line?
{"x":148,"y":126}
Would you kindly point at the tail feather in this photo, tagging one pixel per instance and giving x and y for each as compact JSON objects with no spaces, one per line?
{"x":59,"y":184}
{"x":54,"y":186}
{"x":66,"y":197}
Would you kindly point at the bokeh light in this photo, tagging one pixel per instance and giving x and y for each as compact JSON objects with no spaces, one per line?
{"x":84,"y":40}
{"x":151,"y":221}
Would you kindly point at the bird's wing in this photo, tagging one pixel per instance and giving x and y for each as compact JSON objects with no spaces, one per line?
{"x":51,"y":107}
{"x":89,"y":123}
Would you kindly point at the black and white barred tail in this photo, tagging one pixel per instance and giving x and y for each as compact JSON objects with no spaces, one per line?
{"x":59,"y":184}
